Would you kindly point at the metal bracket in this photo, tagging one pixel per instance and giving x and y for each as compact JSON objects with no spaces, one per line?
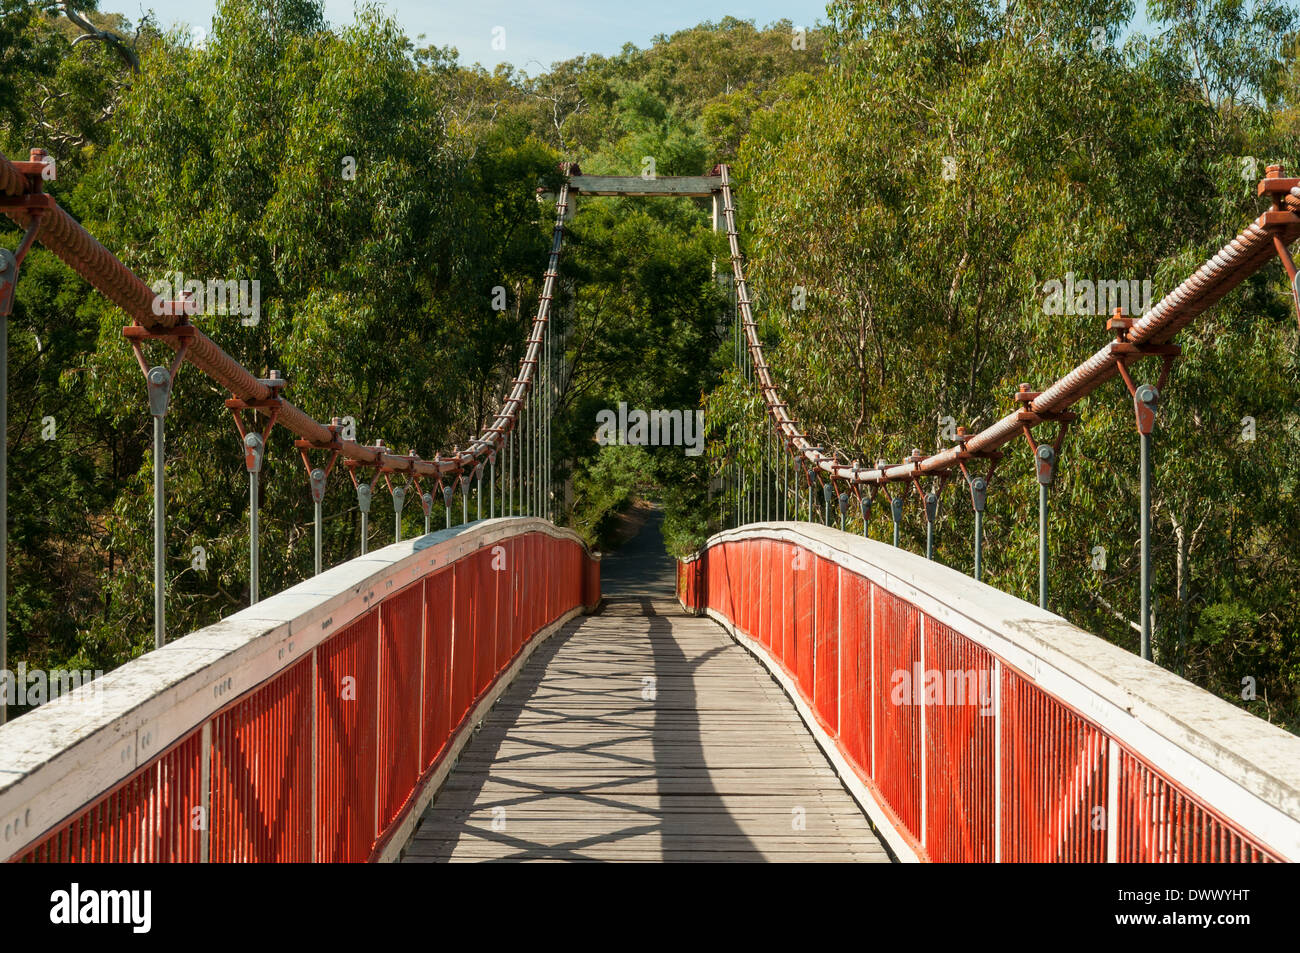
{"x":318,"y":477}
{"x":365,"y":491}
{"x":11,"y":262}
{"x":398,"y":491}
{"x":979,"y":485}
{"x":159,"y":379}
{"x":1146,"y":399}
{"x":255,"y":443}
{"x":1046,"y":457}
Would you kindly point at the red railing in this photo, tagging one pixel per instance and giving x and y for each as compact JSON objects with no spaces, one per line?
{"x":968,"y":755}
{"x":324,"y":759}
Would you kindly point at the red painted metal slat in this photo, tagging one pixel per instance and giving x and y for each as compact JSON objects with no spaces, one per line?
{"x":763,"y":583}
{"x":720,"y":586}
{"x":485,"y":606}
{"x":347,"y":685}
{"x":1054,"y":775}
{"x":855,"y":671}
{"x":826,"y":661}
{"x":154,"y":816}
{"x":960,"y":743}
{"x":401,"y":631}
{"x":438,"y":590}
{"x":896,"y":721}
{"x":516,"y":596}
{"x":501,"y":582}
{"x":462,"y":654}
{"x":261,"y":772}
{"x":1160,"y":822}
{"x":784,"y":581}
{"x":799,"y":657}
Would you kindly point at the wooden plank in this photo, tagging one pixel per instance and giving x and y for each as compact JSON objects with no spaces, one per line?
{"x":580,"y":761}
{"x":686,"y":186}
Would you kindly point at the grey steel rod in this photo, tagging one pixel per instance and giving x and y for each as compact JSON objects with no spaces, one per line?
{"x":252,"y":538}
{"x":1146,"y":544}
{"x":319,"y":527}
{"x":159,"y":537}
{"x":1042,"y":545}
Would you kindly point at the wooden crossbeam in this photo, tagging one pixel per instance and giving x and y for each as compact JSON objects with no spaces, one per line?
{"x":685,"y":186}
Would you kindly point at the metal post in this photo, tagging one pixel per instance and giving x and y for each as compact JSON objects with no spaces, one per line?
{"x":317,"y":480}
{"x":363,"y":502}
{"x":446,"y":504}
{"x":931,"y":513}
{"x":253,"y":452}
{"x":896,"y":511}
{"x":865,"y":505}
{"x":1147,"y":397}
{"x":1046,"y":471}
{"x":785,"y":486}
{"x":464,"y":498}
{"x":426,"y":501}
{"x":767,"y":472}
{"x":159,"y":383}
{"x":478,"y":492}
{"x":399,"y":500}
{"x":844,"y":508}
{"x":492,"y":484}
{"x":979,"y":488}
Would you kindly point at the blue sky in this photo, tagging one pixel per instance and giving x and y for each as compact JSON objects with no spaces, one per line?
{"x":537,"y":32}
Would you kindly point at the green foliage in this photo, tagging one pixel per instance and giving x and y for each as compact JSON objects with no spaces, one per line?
{"x":915,"y":174}
{"x":922,"y":192}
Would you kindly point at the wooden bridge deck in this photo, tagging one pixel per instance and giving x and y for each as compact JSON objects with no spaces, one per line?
{"x":643,"y":734}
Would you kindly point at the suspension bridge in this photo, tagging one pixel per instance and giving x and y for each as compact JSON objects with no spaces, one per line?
{"x":790,"y":692}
